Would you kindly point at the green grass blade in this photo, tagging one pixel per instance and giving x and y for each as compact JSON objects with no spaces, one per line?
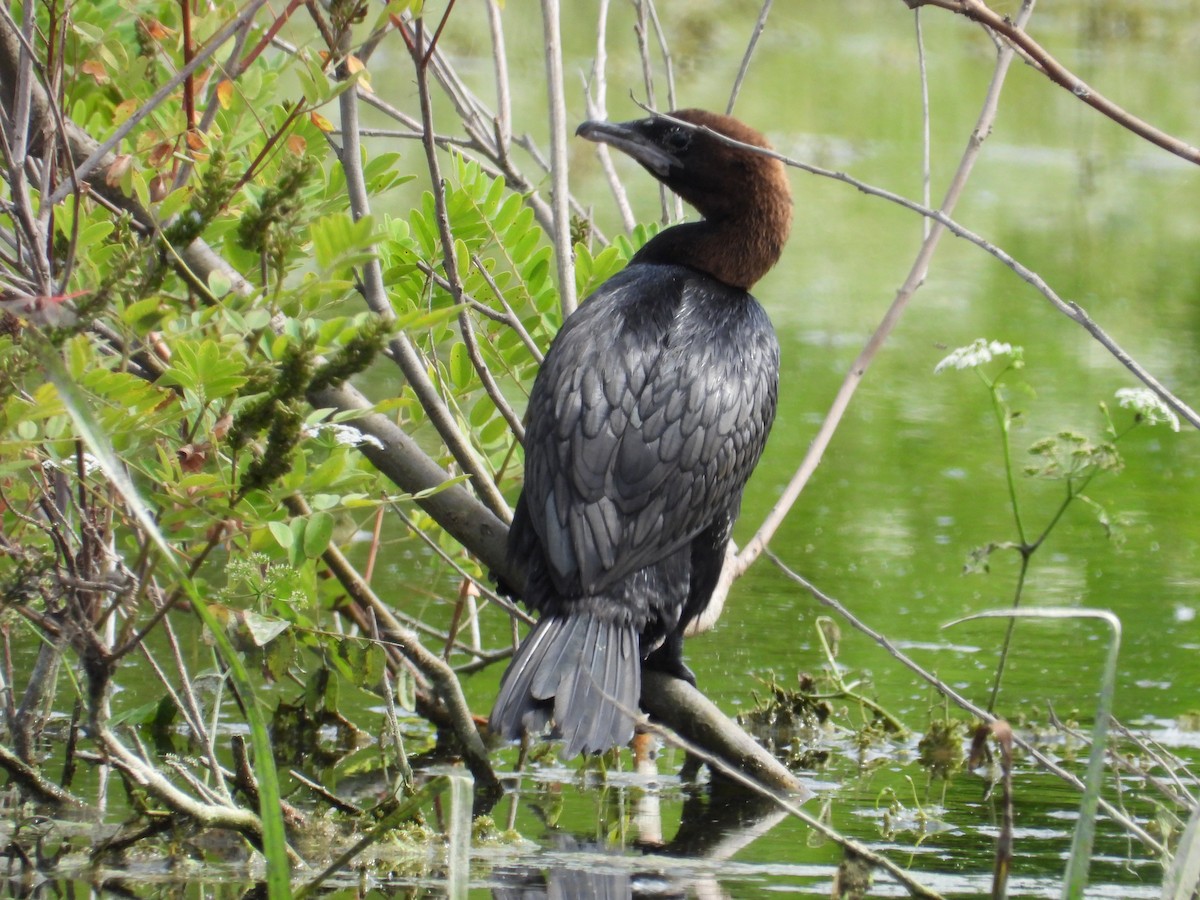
{"x":1183,"y":875}
{"x":1075,"y":879}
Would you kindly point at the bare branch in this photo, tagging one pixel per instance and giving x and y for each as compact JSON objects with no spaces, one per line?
{"x":689,"y":713}
{"x":440,"y":675}
{"x":926,"y":142}
{"x":1017,"y":38}
{"x":596,"y":100}
{"x":509,"y":316}
{"x":560,"y":193}
{"x":500,"y":65}
{"x":31,"y":780}
{"x":791,"y":805}
{"x":748,"y":55}
{"x":402,"y":460}
{"x":471,"y":342}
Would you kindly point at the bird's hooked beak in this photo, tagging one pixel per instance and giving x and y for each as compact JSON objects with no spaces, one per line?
{"x":631,"y":139}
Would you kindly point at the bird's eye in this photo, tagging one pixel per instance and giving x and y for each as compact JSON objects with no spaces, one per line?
{"x":679,"y":138}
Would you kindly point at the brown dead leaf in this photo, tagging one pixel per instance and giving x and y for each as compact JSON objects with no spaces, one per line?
{"x":117,"y":169}
{"x":156,"y":29}
{"x":356,"y":67}
{"x":95,"y":68}
{"x":321,"y":122}
{"x":124,"y":110}
{"x":159,"y":154}
{"x":193,"y":456}
{"x":296,"y":144}
{"x":200,"y":83}
{"x":160,"y":186}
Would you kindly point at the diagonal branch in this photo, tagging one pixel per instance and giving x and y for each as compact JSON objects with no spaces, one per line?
{"x":1015,"y":36}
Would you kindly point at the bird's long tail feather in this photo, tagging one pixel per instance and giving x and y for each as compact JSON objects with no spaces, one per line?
{"x":578,"y":673}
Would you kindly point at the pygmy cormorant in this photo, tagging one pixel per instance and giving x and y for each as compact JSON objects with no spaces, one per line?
{"x":650,"y":411}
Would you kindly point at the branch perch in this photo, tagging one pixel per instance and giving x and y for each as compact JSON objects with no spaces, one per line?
{"x":686,"y":711}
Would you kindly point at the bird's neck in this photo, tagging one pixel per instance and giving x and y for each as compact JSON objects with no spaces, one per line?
{"x":737,"y":251}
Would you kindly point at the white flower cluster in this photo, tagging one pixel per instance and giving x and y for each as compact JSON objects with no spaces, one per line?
{"x":975,"y":354}
{"x":1148,"y":405}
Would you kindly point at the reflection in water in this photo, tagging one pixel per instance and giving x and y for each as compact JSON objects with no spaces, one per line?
{"x":718,"y":820}
{"x":590,"y":879}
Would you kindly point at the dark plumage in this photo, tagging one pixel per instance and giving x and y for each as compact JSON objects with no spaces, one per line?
{"x":649,"y":413}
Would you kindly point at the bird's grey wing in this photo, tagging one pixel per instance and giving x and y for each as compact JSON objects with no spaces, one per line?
{"x":642,"y":426}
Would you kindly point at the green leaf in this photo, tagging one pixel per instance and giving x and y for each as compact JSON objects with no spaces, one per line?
{"x":461,"y":370}
{"x":338,"y":240}
{"x":280,"y":655}
{"x":219,"y":283}
{"x":281,"y":533}
{"x":317,"y":533}
{"x":296,"y":547}
{"x":494,"y":430}
{"x":145,"y":314}
{"x":79,"y":356}
{"x":263,"y":629}
{"x":207,"y":370}
{"x":406,"y":689}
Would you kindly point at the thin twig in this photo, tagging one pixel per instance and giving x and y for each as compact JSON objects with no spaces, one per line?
{"x":759,"y":25}
{"x":915,"y":279}
{"x":490,"y":386}
{"x":641,"y":30}
{"x":926,"y":141}
{"x":30,"y":779}
{"x":668,"y":62}
{"x":400,"y":347}
{"x":393,"y":722}
{"x":189,"y":83}
{"x":564,"y":255}
{"x":503,"y":602}
{"x":1016,"y":37}
{"x":213,"y":815}
{"x":596,"y":100}
{"x":669,"y":197}
{"x":500,"y":67}
{"x":509,"y":316}
{"x":439,"y":674}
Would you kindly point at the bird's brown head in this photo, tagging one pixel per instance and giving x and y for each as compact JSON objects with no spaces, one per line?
{"x":744,"y":196}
